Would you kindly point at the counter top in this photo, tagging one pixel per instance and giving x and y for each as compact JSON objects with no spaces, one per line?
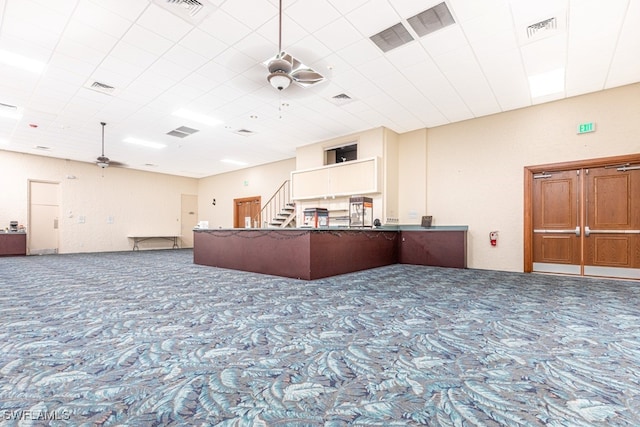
{"x":383,"y":228}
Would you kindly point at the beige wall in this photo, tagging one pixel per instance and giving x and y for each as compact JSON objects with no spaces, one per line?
{"x":139,"y":202}
{"x":412,"y":177}
{"x":467,"y":173}
{"x":260,"y":181}
{"x":475,"y":168}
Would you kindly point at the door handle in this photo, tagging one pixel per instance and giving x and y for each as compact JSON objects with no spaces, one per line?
{"x":556,"y":231}
{"x":611,"y":231}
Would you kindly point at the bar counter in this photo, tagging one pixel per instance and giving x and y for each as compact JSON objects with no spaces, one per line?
{"x":314,"y":253}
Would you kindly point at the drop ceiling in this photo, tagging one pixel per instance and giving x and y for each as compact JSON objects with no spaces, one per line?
{"x":132,"y":63}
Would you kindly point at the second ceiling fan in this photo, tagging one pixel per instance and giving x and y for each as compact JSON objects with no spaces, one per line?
{"x":284,"y":69}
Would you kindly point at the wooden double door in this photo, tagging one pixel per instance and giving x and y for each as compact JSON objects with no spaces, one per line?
{"x":586,"y":220}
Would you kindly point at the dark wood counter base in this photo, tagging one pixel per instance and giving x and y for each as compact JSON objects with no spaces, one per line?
{"x":311,"y":254}
{"x":13,"y":244}
{"x":296,"y":253}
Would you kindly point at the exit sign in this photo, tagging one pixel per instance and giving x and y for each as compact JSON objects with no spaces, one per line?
{"x":586,"y":127}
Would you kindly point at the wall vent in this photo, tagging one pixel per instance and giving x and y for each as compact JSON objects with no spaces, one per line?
{"x":392,"y":37}
{"x":431,"y":20}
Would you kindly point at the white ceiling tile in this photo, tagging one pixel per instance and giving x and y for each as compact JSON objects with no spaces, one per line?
{"x":160,"y":21}
{"x":445,"y":40}
{"x":308,"y":50}
{"x":261,"y":11}
{"x":360,"y":52}
{"x":147,"y":40}
{"x":82,"y":33}
{"x":133,"y":55}
{"x":128,"y":9}
{"x":545,"y":55}
{"x":203,"y":43}
{"x":346,"y":6}
{"x":338,"y":34}
{"x":467,"y":10}
{"x":168,"y":69}
{"x":185,"y":58}
{"x":506,"y":75}
{"x":101,"y":19}
{"x":311,"y":14}
{"x":464,"y":73}
{"x":373,"y":16}
{"x":225,"y":27}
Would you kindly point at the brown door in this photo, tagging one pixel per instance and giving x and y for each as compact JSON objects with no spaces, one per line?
{"x":246,"y":211}
{"x":556,"y":222}
{"x":586,"y":220}
{"x":612,"y":222}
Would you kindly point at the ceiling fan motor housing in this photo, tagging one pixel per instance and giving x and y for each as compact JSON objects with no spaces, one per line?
{"x":279,"y":70}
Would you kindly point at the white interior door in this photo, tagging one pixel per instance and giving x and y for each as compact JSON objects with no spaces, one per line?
{"x":44,"y":214}
{"x":188,"y":219}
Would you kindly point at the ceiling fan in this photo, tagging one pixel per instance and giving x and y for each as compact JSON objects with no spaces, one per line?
{"x":102,"y":160}
{"x":284,"y":69}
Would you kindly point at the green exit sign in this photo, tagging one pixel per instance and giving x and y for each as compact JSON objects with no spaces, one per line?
{"x":586,"y":127}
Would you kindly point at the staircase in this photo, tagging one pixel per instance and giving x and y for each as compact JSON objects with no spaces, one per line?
{"x":279,"y":211}
{"x":285,"y":218}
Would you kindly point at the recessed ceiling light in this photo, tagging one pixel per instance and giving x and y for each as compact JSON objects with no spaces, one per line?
{"x":22,"y":62}
{"x":144,"y":143}
{"x":196,"y":117}
{"x":547,"y":83}
{"x":234,"y":162}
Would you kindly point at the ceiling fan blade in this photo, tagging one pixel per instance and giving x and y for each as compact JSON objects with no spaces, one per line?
{"x":306,"y":76}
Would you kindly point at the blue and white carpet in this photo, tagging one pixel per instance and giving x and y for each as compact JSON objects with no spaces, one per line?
{"x":150,"y":339}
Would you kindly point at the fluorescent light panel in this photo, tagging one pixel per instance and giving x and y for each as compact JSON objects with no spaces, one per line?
{"x":22,"y":62}
{"x":234,"y":162}
{"x":10,"y":111}
{"x":547,"y":83}
{"x":196,"y":117}
{"x":144,"y":143}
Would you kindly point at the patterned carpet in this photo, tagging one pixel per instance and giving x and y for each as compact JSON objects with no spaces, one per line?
{"x":148,"y":338}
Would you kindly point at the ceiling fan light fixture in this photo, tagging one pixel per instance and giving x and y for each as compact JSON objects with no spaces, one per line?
{"x":279,"y":80}
{"x":103,"y":165}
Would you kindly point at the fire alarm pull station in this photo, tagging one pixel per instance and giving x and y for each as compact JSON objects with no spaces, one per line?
{"x":493,"y":237}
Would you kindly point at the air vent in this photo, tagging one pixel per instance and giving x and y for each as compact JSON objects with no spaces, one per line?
{"x":431,"y":20}
{"x":244,"y":132}
{"x":535,"y":30}
{"x":42,"y":147}
{"x":182,"y":132}
{"x":192,"y":11}
{"x":341,"y":99}
{"x":101,"y":87}
{"x":392,"y":37}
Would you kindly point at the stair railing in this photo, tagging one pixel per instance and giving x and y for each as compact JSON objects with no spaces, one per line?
{"x":273,"y":206}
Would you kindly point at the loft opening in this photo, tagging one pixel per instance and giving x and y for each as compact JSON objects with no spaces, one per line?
{"x":344,"y":153}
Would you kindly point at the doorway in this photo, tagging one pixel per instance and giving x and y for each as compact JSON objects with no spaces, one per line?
{"x":44,"y":214}
{"x":583,"y":218}
{"x":188,"y":218}
{"x":246,"y":212}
